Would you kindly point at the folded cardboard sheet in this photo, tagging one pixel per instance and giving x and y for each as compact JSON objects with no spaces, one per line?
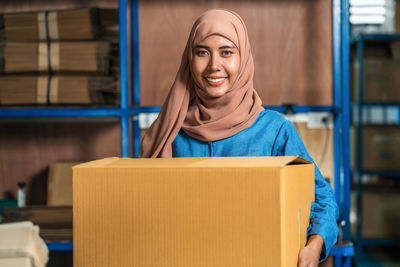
{"x":21,"y":246}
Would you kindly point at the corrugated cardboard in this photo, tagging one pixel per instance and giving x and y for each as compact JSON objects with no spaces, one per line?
{"x":21,"y":261}
{"x":381,"y":148}
{"x":380,"y":214}
{"x":381,"y":80}
{"x":59,"y":192}
{"x":191,"y":211}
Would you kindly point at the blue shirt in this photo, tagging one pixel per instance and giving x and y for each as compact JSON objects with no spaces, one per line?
{"x":271,"y":135}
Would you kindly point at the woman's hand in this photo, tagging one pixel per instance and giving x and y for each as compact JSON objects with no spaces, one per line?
{"x":309,"y":255}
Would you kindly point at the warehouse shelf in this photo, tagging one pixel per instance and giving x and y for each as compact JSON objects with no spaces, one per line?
{"x":363,"y":114}
{"x":391,"y":174}
{"x":346,"y":250}
{"x":281,"y":109}
{"x":59,"y":112}
{"x":381,"y":242}
{"x":378,"y":37}
{"x":59,"y":246}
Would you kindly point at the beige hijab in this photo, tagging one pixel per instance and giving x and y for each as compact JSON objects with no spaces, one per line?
{"x":187,"y":107}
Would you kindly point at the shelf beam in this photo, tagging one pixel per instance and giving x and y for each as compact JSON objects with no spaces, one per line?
{"x":58,"y":112}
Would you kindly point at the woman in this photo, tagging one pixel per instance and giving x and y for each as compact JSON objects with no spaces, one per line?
{"x":213,"y":110}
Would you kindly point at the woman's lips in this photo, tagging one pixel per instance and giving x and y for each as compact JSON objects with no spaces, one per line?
{"x":215,"y":81}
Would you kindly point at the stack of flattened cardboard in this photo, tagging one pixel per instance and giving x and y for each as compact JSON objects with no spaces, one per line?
{"x":79,"y":24}
{"x":380,"y":78}
{"x":64,"y":57}
{"x":30,"y":89}
{"x":21,"y":246}
{"x":55,"y":222}
{"x":64,"y":51}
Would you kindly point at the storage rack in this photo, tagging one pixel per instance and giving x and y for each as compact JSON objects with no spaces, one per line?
{"x":129,"y":113}
{"x":359,"y":172}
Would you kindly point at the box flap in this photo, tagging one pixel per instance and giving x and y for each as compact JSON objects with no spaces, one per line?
{"x":194,"y":162}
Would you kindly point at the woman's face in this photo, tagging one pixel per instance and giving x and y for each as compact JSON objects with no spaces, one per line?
{"x":215,"y":65}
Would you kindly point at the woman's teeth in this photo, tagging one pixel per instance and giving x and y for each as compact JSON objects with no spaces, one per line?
{"x":215,"y":80}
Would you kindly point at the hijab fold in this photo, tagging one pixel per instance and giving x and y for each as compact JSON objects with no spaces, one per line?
{"x":189,"y":108}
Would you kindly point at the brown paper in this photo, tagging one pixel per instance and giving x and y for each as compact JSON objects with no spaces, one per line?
{"x":54,"y":90}
{"x":41,"y":93}
{"x":55,"y":56}
{"x":41,"y":19}
{"x":42,"y":57}
{"x":53,"y":25}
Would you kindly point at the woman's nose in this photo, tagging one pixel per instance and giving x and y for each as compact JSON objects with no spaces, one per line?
{"x":215,"y":63}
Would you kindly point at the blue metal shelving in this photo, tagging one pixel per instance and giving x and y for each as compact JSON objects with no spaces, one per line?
{"x":359,"y":172}
{"x":59,"y":246}
{"x":128,"y":115}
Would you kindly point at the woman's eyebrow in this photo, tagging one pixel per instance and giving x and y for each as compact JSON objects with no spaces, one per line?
{"x":201,"y":46}
{"x":227,"y":47}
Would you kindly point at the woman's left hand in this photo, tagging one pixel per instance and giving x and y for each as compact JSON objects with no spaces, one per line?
{"x":310,"y":254}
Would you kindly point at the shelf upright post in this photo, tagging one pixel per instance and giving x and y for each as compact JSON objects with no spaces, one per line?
{"x":123,"y":54}
{"x":345,"y":48}
{"x":135,"y":73}
{"x":341,"y":130}
{"x":360,"y":90}
{"x":337,"y":75}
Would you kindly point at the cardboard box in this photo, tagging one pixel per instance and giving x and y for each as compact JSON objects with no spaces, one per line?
{"x":381,"y":80}
{"x":319,"y":144}
{"x":59,"y":191}
{"x":251,"y":211}
{"x":381,"y":215}
{"x":381,"y":148}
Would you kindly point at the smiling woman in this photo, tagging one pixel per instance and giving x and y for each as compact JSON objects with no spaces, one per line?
{"x":212,"y":110}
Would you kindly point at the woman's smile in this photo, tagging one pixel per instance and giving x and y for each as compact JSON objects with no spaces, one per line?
{"x":215,"y":81}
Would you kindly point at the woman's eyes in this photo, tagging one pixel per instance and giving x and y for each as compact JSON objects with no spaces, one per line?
{"x":202,"y":53}
{"x":227,"y":53}
{"x":224,"y":53}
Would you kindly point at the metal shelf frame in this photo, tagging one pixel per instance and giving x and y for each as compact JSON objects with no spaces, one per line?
{"x":128,"y":114}
{"x":359,"y":172}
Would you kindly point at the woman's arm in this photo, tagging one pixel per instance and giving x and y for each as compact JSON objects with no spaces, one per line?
{"x":324,"y":210}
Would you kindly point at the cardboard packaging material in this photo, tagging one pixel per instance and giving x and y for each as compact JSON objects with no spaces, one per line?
{"x":381,"y":80}
{"x":59,"y":192}
{"x":251,"y":211}
{"x":381,"y":148}
{"x":21,"y":246}
{"x":380,"y":214}
{"x":55,"y":222}
{"x":319,"y":144}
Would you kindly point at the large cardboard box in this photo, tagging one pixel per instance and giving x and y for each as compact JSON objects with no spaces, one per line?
{"x":381,"y":148}
{"x":251,"y":211}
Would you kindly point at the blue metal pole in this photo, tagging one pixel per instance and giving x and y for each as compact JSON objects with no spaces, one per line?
{"x":135,"y":72}
{"x":58,"y":112}
{"x":124,"y":101}
{"x":136,"y":134}
{"x":337,"y":75}
{"x":346,"y":117}
{"x":135,"y":52}
{"x":360,"y":90}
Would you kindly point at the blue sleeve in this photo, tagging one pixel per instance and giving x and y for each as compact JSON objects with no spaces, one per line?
{"x":324,"y":211}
